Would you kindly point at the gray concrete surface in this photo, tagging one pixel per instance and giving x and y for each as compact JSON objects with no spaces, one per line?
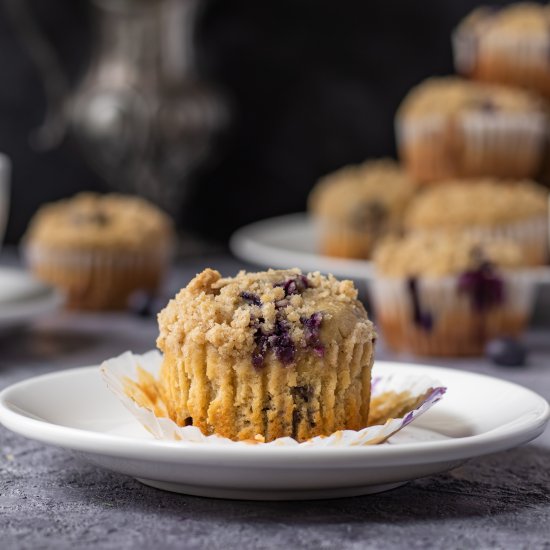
{"x":50,"y":499}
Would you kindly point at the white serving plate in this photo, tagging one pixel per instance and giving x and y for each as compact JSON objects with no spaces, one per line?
{"x":478,"y":415}
{"x":23,"y":298}
{"x":291,"y":241}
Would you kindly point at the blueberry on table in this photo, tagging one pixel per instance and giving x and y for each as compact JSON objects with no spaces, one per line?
{"x":144,"y":304}
{"x":506,"y":352}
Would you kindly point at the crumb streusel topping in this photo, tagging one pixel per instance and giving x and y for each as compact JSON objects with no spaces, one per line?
{"x":93,"y":220}
{"x":441,"y":254}
{"x":451,"y":95}
{"x":527,"y":20}
{"x":278,"y":311}
{"x":484,"y":202}
{"x":382,"y":184}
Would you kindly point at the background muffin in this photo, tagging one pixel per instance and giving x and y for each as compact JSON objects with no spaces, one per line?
{"x":273,"y":354}
{"x":449,"y":127}
{"x":489,"y":209}
{"x":448,"y":294}
{"x":508,"y":46}
{"x":100,"y":248}
{"x":356,"y":205}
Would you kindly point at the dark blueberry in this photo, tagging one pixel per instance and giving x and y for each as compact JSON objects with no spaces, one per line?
{"x":144,"y":304}
{"x":312,"y":327}
{"x":488,"y":106}
{"x":302,"y":392}
{"x":294,"y":285}
{"x":97,"y":218}
{"x":188,"y":421}
{"x":278,"y":340}
{"x":422,"y":319}
{"x":251,"y":298}
{"x":369,"y":215}
{"x":506,"y":352}
{"x":483,"y":285}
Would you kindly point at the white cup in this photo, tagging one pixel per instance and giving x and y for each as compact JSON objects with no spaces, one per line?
{"x":5,"y":170}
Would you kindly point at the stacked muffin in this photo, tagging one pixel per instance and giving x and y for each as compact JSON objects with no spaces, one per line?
{"x":465,"y":205}
{"x":356,"y":206}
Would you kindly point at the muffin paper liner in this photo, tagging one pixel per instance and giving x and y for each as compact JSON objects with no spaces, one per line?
{"x":499,"y":143}
{"x":523,"y":60}
{"x":397,"y":400}
{"x":445,"y":324}
{"x":99,"y":278}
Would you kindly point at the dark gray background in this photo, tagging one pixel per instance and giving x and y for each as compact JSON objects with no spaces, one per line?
{"x":314,"y":85}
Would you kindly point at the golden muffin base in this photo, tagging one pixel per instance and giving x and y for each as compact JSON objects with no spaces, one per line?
{"x":315,"y":396}
{"x":98,"y":279}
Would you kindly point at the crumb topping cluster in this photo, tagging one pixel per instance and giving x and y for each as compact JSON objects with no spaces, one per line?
{"x":450,"y":95}
{"x":94,"y":220}
{"x":363,"y":192}
{"x":527,"y":20}
{"x":280,"y":312}
{"x":481,"y":202}
{"x":441,"y":254}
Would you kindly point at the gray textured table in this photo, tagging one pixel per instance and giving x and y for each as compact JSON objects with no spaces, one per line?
{"x":49,"y":499}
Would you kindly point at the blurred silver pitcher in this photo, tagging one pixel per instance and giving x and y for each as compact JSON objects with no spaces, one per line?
{"x":141,"y":114}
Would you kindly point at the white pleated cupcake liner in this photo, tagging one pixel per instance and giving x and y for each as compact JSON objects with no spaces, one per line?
{"x":465,"y":51}
{"x":488,"y":139}
{"x":440,"y":295}
{"x":522,"y":53}
{"x":440,"y":300}
{"x":118,"y":371}
{"x":36,"y":255}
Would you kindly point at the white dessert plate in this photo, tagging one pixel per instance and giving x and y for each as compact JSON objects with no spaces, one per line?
{"x":478,"y":415}
{"x":23,"y":298}
{"x":291,"y":241}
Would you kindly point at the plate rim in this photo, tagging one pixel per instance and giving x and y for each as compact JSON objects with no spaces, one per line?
{"x":498,"y":439}
{"x":245,"y":247}
{"x":26,"y":308}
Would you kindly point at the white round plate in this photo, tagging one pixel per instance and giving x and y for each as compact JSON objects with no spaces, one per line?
{"x":291,"y":241}
{"x":478,"y":415}
{"x":23,"y":298}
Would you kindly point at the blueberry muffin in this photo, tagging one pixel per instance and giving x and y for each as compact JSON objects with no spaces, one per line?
{"x":489,"y":209}
{"x":267,"y":355}
{"x":453,"y":128}
{"x":448,"y":294}
{"x":99,"y":249}
{"x":508,"y":45}
{"x":357,"y":205}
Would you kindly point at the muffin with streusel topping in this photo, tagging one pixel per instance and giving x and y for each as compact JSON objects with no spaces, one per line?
{"x":508,"y":45}
{"x":448,"y":294}
{"x":357,"y":205}
{"x":99,"y":249}
{"x":489,"y":209}
{"x":453,"y":128}
{"x":267,"y":355}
